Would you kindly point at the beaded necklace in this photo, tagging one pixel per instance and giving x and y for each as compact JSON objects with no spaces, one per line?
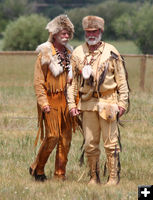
{"x":63,"y":61}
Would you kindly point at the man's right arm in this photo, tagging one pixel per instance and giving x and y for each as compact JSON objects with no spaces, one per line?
{"x":39,"y":84}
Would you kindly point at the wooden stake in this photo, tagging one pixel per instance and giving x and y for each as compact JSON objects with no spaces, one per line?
{"x":142,"y":72}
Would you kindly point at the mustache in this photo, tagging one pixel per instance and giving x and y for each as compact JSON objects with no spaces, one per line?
{"x":91,"y":37}
{"x":64,"y":39}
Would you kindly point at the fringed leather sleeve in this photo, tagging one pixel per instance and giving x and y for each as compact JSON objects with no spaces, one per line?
{"x":39,"y":83}
{"x":122,"y":85}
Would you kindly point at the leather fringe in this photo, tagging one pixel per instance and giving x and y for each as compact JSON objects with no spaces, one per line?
{"x":81,"y":160}
{"x":105,"y":169}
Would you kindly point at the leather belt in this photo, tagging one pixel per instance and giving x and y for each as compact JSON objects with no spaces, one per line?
{"x":103,"y":94}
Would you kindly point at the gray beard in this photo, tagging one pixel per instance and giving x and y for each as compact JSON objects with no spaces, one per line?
{"x":95,"y":41}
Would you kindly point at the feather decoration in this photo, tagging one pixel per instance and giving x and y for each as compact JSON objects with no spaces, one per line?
{"x":114,"y":55}
{"x":102,"y":76}
{"x":81,"y":160}
{"x":126,"y":75}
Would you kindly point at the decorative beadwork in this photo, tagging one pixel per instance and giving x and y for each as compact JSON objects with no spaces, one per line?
{"x":65,"y":60}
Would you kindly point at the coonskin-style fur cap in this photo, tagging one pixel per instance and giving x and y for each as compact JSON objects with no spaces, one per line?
{"x":91,"y":23}
{"x":59,"y":23}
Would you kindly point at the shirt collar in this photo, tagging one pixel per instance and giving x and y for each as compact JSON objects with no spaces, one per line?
{"x":98,"y":50}
{"x":54,"y":51}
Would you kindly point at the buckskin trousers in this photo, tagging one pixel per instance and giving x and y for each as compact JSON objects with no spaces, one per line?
{"x":62,"y":143}
{"x":93,"y":126}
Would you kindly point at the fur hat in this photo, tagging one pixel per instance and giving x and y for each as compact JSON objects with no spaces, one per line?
{"x":91,"y":23}
{"x":58,"y":24}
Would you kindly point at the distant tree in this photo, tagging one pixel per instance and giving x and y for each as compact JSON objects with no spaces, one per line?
{"x":74,"y":2}
{"x":25,"y":33}
{"x":12,"y":9}
{"x":3,"y":21}
{"x":143,"y":28}
{"x":76,"y":15}
{"x":52,"y":11}
{"x":123,"y":26}
{"x":110,"y":10}
{"x":141,"y":1}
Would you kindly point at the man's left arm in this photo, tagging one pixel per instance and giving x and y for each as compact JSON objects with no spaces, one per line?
{"x":122,"y":86}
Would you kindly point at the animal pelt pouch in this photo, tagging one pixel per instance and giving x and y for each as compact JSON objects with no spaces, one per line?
{"x":108,"y":111}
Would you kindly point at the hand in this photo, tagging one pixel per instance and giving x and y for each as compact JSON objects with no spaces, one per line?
{"x":46,"y":109}
{"x":74,"y":112}
{"x":121,"y":111}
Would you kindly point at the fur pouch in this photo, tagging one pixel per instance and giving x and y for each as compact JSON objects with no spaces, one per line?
{"x":108,"y":111}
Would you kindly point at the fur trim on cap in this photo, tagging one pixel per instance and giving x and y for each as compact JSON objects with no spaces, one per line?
{"x":58,"y":24}
{"x":93,"y":23}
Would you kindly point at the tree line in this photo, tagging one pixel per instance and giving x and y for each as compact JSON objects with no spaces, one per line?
{"x":22,"y":23}
{"x":12,"y":9}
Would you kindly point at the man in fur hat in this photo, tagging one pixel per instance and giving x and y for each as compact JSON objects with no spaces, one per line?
{"x":52,"y":72}
{"x":100,"y":77}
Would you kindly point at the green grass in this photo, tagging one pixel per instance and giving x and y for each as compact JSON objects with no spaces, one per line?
{"x":18,"y":128}
{"x":124,"y":47}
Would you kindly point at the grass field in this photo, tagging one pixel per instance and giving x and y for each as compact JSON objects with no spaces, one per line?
{"x":125,"y":47}
{"x":18,"y":128}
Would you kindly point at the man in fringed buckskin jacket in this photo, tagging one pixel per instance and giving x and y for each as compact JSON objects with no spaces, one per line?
{"x":52,"y":72}
{"x":100,"y":77}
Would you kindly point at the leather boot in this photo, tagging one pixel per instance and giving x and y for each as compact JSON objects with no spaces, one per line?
{"x":94,"y":171}
{"x":113,"y":164}
{"x":40,"y":178}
